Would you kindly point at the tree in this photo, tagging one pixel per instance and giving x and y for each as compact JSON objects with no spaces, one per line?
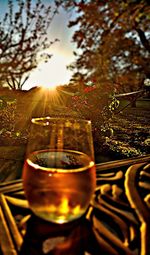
{"x":112,"y":38}
{"x":23,"y":40}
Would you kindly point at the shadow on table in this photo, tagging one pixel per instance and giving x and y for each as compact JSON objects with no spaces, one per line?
{"x":58,"y":239}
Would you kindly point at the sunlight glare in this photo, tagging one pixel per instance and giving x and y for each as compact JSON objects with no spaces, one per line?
{"x":48,"y":86}
{"x":51,"y":74}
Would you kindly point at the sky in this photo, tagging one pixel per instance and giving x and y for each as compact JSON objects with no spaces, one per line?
{"x":55,"y":71}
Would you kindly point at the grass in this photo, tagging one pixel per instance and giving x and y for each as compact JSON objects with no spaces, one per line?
{"x":131,"y":132}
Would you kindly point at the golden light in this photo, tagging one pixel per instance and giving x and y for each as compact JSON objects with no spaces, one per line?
{"x":64,"y":206}
{"x":48,"y":87}
{"x":51,"y":74}
{"x":64,"y":209}
{"x":47,"y":77}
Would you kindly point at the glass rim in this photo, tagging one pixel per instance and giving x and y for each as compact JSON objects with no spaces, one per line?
{"x":45,"y":121}
{"x":54,"y":170}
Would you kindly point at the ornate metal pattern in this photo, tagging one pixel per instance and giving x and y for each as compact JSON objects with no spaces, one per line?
{"x":121,"y":210}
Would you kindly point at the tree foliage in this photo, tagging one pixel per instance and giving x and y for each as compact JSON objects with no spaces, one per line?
{"x":113,"y":41}
{"x":23,"y":40}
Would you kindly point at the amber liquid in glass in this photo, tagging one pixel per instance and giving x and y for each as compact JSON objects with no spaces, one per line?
{"x":59,"y":184}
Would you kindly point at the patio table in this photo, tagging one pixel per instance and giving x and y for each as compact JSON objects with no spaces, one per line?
{"x":117,"y":221}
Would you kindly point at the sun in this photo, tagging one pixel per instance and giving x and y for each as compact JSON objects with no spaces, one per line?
{"x":48,"y":86}
{"x":50,"y":75}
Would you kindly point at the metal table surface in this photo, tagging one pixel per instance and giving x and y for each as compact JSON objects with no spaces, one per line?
{"x":117,"y":221}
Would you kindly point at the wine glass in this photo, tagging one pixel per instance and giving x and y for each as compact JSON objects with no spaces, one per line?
{"x":59,"y":175}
